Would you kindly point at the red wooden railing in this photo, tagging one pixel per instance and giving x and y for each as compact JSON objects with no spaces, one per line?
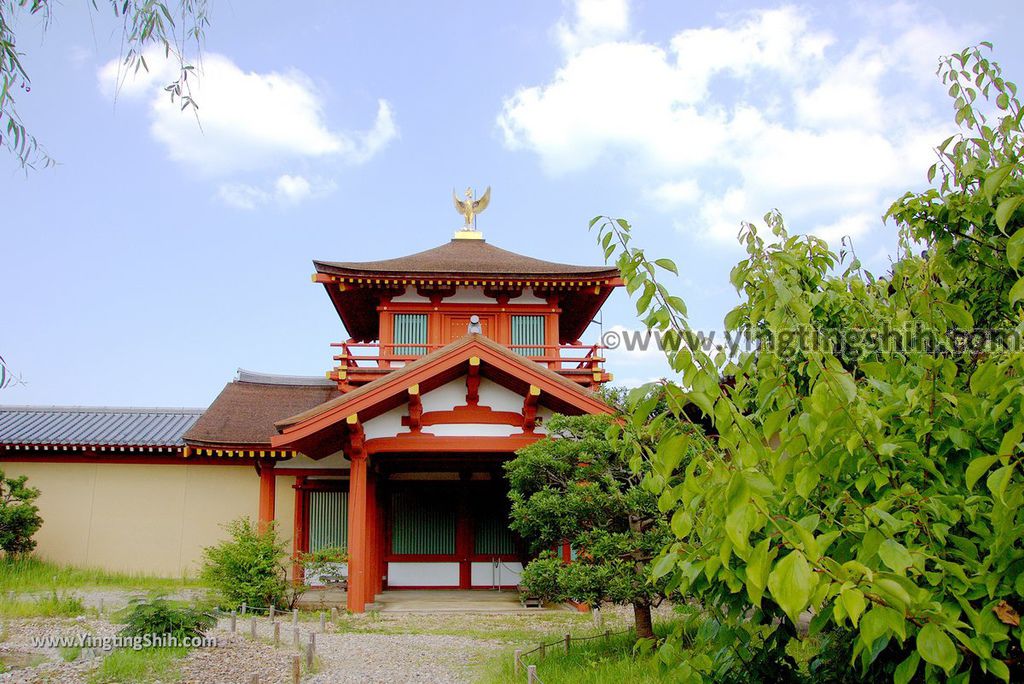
{"x":558,"y":357}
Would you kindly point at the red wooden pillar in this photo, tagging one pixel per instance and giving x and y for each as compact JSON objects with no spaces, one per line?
{"x":378,"y":576}
{"x":299,"y":529}
{"x":357,"y":518}
{"x":356,"y":534}
{"x":268,"y":485}
{"x":371,"y":548}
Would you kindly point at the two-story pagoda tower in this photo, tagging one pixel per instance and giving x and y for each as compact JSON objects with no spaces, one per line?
{"x":455,"y":358}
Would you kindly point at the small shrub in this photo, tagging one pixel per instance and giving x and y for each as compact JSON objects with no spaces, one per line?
{"x":19,"y":516}
{"x":160,"y":617}
{"x":541,"y":577}
{"x":248,"y":567}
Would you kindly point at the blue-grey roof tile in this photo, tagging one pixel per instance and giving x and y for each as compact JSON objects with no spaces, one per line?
{"x":95,"y":425}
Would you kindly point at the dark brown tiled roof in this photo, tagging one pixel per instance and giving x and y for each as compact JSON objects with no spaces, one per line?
{"x":243,"y":414}
{"x":465,"y":257}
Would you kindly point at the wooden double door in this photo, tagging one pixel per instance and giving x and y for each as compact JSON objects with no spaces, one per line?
{"x":448,"y":535}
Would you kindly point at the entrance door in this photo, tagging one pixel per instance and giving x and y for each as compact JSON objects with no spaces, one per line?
{"x":449,"y":535}
{"x":456,"y":326}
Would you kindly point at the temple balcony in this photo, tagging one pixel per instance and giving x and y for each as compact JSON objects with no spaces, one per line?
{"x":361,"y":362}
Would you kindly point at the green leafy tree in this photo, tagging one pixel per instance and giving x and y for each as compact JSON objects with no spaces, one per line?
{"x":172,"y":26}
{"x":868,"y":469}
{"x":576,"y":487}
{"x":19,"y":516}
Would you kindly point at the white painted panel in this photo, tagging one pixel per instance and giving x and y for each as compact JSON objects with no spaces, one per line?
{"x":447,"y":396}
{"x":410,"y":295}
{"x":423,"y":574}
{"x":475,"y":430}
{"x":469,"y":295}
{"x":499,"y":397}
{"x":528,"y":297}
{"x":335,"y":460}
{"x":387,"y":424}
{"x":488,"y":575}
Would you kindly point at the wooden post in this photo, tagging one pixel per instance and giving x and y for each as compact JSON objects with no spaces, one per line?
{"x":310,"y":651}
{"x":334,"y":614}
{"x":243,"y":609}
{"x":295,"y":617}
{"x":270,"y":614}
{"x":234,"y":617}
{"x":267,"y":491}
{"x":323,"y":621}
{"x":568,"y":640}
{"x":277,"y":634}
{"x":252,"y":627}
{"x":101,"y":605}
{"x":597,"y":616}
{"x":295,"y":637}
{"x":296,"y":670}
{"x":517,"y":662}
{"x":531,"y":674}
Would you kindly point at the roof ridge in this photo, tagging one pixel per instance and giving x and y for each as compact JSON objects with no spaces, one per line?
{"x":259,"y":378}
{"x":54,"y":408}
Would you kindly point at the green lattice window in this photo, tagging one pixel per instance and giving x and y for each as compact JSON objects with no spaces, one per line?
{"x":491,"y":535}
{"x":527,"y":330}
{"x":422,"y":523}
{"x":410,"y":329}
{"x":328,"y":520}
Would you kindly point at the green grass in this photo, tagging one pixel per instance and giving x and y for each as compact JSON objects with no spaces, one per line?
{"x":53,"y":605}
{"x":525,"y":628}
{"x":32,"y":574}
{"x":145,"y":665}
{"x":588,"y":662}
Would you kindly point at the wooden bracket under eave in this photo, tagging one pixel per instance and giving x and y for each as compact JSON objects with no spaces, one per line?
{"x":473,"y":381}
{"x":530,"y":409}
{"x":415,"y":409}
{"x":356,"y":437}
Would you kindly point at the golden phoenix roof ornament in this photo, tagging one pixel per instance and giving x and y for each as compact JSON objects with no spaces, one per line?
{"x":469,"y":208}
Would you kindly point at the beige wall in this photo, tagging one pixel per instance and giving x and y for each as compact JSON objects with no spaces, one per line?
{"x":153,"y":519}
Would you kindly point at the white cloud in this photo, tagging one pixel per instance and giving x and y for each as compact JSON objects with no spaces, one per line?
{"x":676,"y":193}
{"x":246,"y":120}
{"x":286,"y":190}
{"x":595,"y":21}
{"x":763,"y":111}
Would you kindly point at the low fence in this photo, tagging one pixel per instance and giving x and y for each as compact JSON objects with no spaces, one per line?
{"x":519,"y":666}
{"x":274,"y":617}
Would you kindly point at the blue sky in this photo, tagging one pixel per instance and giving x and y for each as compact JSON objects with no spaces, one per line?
{"x":158,"y":257}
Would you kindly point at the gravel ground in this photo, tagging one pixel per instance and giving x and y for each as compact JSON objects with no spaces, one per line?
{"x":18,"y":636}
{"x":370,"y":648}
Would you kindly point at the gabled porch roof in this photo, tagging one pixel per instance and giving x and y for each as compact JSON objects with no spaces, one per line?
{"x":310,"y":431}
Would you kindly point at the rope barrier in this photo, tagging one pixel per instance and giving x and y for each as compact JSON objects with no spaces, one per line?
{"x":531,"y":670}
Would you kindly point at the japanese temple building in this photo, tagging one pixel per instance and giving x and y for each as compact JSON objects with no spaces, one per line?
{"x":455,"y":358}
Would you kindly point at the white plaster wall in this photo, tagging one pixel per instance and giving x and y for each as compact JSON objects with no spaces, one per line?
{"x":469,"y":295}
{"x":498,"y":397}
{"x":423,"y":574}
{"x":474,"y":430}
{"x":387,"y":424}
{"x":410,"y":295}
{"x":335,"y":460}
{"x":486,"y":575}
{"x":528,"y":297}
{"x":447,"y":396}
